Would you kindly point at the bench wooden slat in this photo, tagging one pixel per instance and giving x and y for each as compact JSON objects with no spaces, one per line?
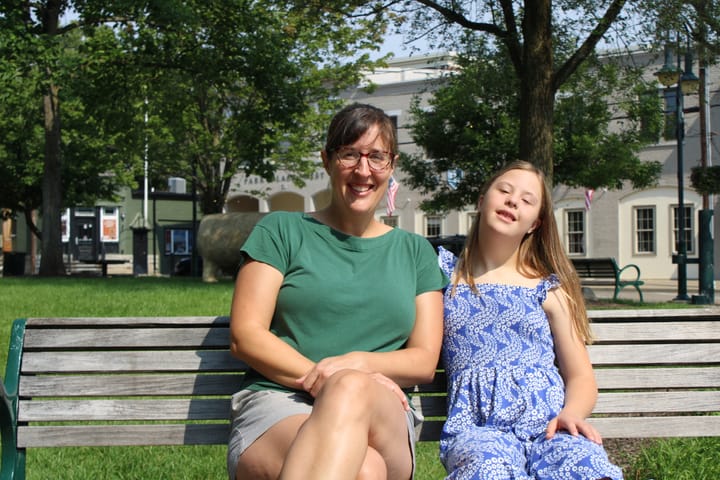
{"x":130,"y":361}
{"x":645,"y":378}
{"x":122,"y":435}
{"x":696,"y":353}
{"x":430,"y":406}
{"x":656,"y":331}
{"x":53,"y":338}
{"x":650,"y":427}
{"x":128,"y":385}
{"x":117,"y":410}
{"x":654,"y":314}
{"x":123,"y":321}
{"x":658,"y":402}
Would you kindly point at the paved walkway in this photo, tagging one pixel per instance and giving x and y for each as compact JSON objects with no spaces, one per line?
{"x":654,"y":291}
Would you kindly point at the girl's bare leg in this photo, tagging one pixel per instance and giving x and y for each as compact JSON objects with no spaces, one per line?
{"x":352,"y":412}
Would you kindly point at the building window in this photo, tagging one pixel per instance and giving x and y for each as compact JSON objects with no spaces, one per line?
{"x":178,"y":241}
{"x":575,"y":229}
{"x":65,"y":225}
{"x":670,"y":111}
{"x":110,"y":221}
{"x":390,"y":221}
{"x":433,"y":226}
{"x":687,"y":229}
{"x":644,"y":229}
{"x":650,"y":129}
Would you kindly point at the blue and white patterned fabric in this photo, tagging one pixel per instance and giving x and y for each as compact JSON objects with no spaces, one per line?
{"x":504,"y":388}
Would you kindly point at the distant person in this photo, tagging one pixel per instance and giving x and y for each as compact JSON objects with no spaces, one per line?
{"x":334,"y":312}
{"x":520,"y":381}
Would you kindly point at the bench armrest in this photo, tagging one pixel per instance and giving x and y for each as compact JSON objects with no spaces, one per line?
{"x":13,"y":460}
{"x":631,"y":266}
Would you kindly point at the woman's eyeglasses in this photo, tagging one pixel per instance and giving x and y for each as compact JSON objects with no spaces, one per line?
{"x":378,"y":160}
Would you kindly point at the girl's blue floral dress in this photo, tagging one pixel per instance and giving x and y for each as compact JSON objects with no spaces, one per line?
{"x":504,"y":388}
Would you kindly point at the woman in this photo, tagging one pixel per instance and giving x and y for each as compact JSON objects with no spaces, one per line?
{"x":334,"y":312}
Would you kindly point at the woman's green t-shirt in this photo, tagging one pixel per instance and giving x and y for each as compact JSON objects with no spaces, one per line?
{"x":341,"y":293}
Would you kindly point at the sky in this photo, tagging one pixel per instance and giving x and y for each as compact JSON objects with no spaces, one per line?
{"x":394,"y":43}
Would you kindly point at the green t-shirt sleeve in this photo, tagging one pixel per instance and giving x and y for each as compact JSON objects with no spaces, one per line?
{"x":265,"y":242}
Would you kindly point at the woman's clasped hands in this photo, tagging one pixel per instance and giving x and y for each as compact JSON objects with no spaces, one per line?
{"x":314,"y":380}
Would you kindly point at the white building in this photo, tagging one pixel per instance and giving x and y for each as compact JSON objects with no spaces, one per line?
{"x":632,"y":226}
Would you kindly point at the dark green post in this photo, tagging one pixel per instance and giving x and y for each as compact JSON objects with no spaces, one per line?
{"x":706,"y":276}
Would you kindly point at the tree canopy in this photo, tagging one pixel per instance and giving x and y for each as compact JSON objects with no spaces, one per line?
{"x":471,"y":128}
{"x":204,"y":89}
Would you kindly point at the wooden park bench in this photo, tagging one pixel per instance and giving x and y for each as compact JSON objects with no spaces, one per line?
{"x":606,"y":271}
{"x":168,"y":381}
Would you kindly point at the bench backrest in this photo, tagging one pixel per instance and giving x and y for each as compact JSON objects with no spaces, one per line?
{"x":595,"y":267}
{"x":167,"y":381}
{"x":133,"y":371}
{"x":658,"y":372}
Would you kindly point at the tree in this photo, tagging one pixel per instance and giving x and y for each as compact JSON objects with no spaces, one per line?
{"x":527,"y":30}
{"x":473,"y":123}
{"x":42,"y":168}
{"x":246,"y":78}
{"x":245,"y":89}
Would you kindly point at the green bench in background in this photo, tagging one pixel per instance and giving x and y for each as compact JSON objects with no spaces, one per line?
{"x":606,"y":271}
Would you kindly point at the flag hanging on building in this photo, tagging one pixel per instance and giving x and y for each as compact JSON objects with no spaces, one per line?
{"x":588,"y":197}
{"x":393,"y":187}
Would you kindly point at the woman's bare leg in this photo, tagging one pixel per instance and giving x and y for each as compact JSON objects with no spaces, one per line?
{"x":352,"y":412}
{"x":264,"y":459}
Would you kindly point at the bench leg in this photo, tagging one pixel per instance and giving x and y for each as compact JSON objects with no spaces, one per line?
{"x":637,"y":287}
{"x":618,"y":288}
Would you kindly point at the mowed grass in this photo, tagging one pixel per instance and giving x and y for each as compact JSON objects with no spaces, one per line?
{"x":22,"y":297}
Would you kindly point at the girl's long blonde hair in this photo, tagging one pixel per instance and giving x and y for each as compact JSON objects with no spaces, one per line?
{"x":541,"y":252}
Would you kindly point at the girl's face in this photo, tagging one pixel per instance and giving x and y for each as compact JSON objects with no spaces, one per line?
{"x":512,"y":203}
{"x":359,"y":188}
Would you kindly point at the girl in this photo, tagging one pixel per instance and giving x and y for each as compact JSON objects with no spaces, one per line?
{"x":520,"y":381}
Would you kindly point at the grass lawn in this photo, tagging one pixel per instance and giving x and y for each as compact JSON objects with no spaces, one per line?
{"x":22,"y":297}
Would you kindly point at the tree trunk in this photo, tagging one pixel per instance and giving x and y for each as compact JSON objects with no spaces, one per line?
{"x":51,"y":261}
{"x":537,"y":97}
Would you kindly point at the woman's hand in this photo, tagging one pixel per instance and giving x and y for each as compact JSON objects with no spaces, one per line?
{"x":313,"y":381}
{"x":574,"y":425}
{"x":394,"y":388}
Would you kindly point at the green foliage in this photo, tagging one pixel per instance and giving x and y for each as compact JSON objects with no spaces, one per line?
{"x":706,"y":180}
{"x":201,"y":89}
{"x":588,"y":153}
{"x":470,"y":125}
{"x":243,"y":88}
{"x":473,"y":124}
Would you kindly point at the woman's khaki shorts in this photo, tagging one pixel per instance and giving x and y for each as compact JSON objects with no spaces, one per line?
{"x":253,"y":413}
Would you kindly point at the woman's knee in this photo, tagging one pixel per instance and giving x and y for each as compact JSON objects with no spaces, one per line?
{"x":350,"y":388}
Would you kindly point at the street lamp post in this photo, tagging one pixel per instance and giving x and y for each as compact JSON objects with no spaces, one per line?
{"x":685,"y":82}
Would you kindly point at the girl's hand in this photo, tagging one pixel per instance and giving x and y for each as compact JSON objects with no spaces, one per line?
{"x":574,"y":425}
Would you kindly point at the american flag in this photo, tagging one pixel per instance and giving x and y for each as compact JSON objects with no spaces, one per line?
{"x":588,"y":197}
{"x":393,"y":186}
